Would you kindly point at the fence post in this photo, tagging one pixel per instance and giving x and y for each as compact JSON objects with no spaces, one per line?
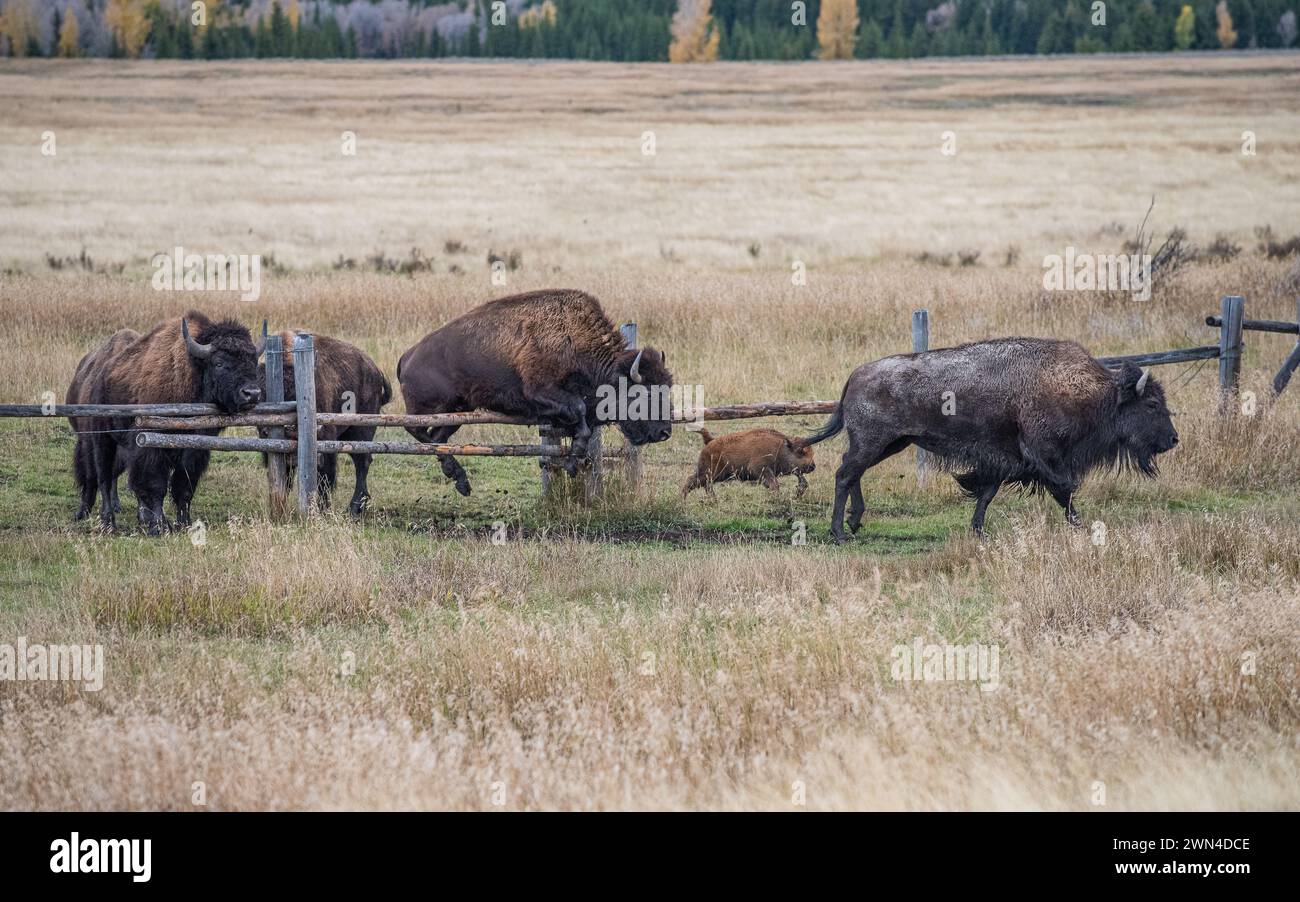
{"x":304,"y":386}
{"x":1292,"y":361}
{"x":920,"y":342}
{"x":277,"y":465}
{"x":1232,"y":311}
{"x":631,"y":452}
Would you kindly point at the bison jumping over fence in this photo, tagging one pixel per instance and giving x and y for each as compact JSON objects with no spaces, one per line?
{"x":543,"y":356}
{"x":216,"y":363}
{"x":1035,"y":412}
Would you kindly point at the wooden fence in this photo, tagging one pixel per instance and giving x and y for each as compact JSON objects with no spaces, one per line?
{"x":276,"y":415}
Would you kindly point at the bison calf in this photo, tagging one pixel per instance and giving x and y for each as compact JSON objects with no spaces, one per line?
{"x":755,"y":455}
{"x":1035,"y":412}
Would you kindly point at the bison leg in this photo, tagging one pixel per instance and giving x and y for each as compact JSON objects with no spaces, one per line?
{"x":84,"y":466}
{"x":983,"y":495}
{"x":1064,"y":496}
{"x":568,"y":412}
{"x":104,"y":452}
{"x":327,"y":475}
{"x":148,"y":477}
{"x":691,"y":484}
{"x":361,"y":494}
{"x":803,"y":487}
{"x":185,"y":481}
{"x":451,"y":467}
{"x":848,"y":479}
{"x":857,"y":506}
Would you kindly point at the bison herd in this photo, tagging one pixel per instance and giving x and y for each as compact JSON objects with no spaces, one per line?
{"x":1031,"y":412}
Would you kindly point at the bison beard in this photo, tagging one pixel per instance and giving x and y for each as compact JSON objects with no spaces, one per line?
{"x":182,"y":360}
{"x":341,"y":368}
{"x":541,"y":356}
{"x":1034,"y":412}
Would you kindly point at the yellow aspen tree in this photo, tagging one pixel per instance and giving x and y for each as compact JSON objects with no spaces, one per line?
{"x":837,"y":29}
{"x":18,"y":24}
{"x":695,"y":40}
{"x":1227,"y":34}
{"x":69,"y":34}
{"x":129,"y":25}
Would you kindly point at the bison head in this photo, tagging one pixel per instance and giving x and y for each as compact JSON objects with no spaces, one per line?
{"x":1143,"y":424}
{"x":226,"y":359}
{"x":799,"y":456}
{"x":646,"y":422}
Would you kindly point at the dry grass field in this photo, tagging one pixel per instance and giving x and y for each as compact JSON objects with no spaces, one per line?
{"x":648,"y":652}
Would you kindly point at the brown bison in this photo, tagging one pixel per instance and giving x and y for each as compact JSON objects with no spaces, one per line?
{"x":755,"y":455}
{"x":83,"y":428}
{"x":1030,"y":411}
{"x":210,"y":363}
{"x":546,"y":356}
{"x":347,"y":380}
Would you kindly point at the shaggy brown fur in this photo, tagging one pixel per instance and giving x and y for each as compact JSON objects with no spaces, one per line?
{"x":542,"y":355}
{"x":161,"y":368}
{"x":79,"y":392}
{"x":755,"y":455}
{"x":341,"y":368}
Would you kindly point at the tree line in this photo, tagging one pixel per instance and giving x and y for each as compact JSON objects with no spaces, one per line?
{"x":635,"y":30}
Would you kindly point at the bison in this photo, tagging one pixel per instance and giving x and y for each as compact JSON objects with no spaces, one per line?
{"x":544,"y":356}
{"x":214,"y":364}
{"x":346,"y":378}
{"x":755,"y":455}
{"x":83,"y":380}
{"x":1034,"y":412}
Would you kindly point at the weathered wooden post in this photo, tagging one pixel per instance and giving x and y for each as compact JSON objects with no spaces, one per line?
{"x":1232,"y":312}
{"x":277,"y":468}
{"x":630,"y":451}
{"x":1293,"y":359}
{"x":920,"y":342}
{"x":304,"y":386}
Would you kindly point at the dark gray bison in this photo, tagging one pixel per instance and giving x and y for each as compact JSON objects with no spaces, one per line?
{"x":1035,"y":412}
{"x":210,"y":363}
{"x":545,"y":355}
{"x":83,"y":462}
{"x":346,"y":378}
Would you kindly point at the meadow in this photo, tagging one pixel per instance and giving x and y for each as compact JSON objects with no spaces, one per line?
{"x":644,"y":651}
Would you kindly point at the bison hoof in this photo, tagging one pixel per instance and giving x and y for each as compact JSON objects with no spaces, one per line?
{"x":571,"y":466}
{"x":81,"y":514}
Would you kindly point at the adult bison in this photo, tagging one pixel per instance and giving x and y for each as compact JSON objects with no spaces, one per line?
{"x":545,"y":355}
{"x":214,"y":363}
{"x":83,"y":462}
{"x":1031,"y":411}
{"x":347,"y":380}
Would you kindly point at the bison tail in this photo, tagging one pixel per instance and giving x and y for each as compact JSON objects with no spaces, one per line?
{"x":834,"y":426}
{"x":386,"y":394}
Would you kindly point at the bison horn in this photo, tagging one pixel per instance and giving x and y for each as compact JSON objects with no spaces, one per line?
{"x":635,"y":372}
{"x":261,"y":345}
{"x":1142,"y":383}
{"x":201,"y":352}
